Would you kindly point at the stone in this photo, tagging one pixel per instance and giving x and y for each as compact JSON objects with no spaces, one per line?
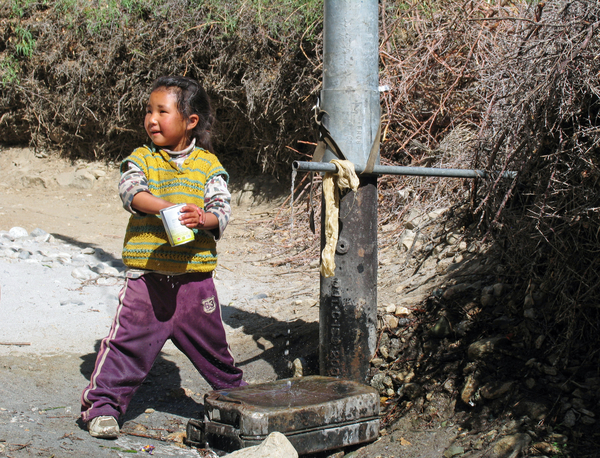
{"x":106,"y":281}
{"x":24,"y":254}
{"x":37,"y":232}
{"x":34,"y":181}
{"x":79,"y":259}
{"x":510,"y":446}
{"x":406,"y":193}
{"x":402,"y":311}
{"x":83,"y":179}
{"x":469,"y":390}
{"x":377,"y":382}
{"x":587,"y":420}
{"x":449,"y":385}
{"x":408,"y":239}
{"x":451,"y":238}
{"x":104,"y":269}
{"x":534,"y":410}
{"x":434,"y":214}
{"x":410,"y":390}
{"x":390,"y":321}
{"x":570,"y":418}
{"x":438,"y":249}
{"x":390,"y":308}
{"x":384,"y":351}
{"x":453,"y":450}
{"x":377,"y":362}
{"x":71,"y":302}
{"x":463,"y":327}
{"x":62,"y":258}
{"x":487,"y":291}
{"x":441,"y":328}
{"x":415,"y":297}
{"x":487,"y":300}
{"x":499,"y":289}
{"x":546,"y":448}
{"x":539,"y":341}
{"x":443,"y":265}
{"x":394,"y":348}
{"x":80,"y":179}
{"x":298,"y":367}
{"x":65,"y":178}
{"x":18,"y":232}
{"x":9,"y":253}
{"x":495,"y":390}
{"x":390,"y":227}
{"x":481,"y":348}
{"x":454,"y":290}
{"x":84,"y":274}
{"x":549,"y":370}
{"x":414,"y":219}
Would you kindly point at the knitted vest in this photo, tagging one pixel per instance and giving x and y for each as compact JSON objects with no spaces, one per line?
{"x":146,"y":245}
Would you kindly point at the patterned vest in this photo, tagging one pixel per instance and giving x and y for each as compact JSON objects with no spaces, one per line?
{"x":146,"y":245}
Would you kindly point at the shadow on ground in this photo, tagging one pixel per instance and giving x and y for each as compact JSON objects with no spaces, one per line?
{"x":281,"y":342}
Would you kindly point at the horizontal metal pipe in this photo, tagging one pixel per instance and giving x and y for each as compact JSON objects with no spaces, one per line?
{"x":304,"y":166}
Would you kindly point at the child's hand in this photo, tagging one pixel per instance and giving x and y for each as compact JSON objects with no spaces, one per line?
{"x":192,"y":216}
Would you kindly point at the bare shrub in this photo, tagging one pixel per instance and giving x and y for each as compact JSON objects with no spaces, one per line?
{"x":84,"y":87}
{"x":543,"y":103}
{"x":495,"y":85}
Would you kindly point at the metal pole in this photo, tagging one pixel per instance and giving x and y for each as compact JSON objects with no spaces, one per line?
{"x":350,"y":97}
{"x":302,"y":166}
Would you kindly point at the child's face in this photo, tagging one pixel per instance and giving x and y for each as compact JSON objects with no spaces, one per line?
{"x":164,"y":123}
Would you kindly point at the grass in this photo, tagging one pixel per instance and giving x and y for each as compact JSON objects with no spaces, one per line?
{"x":279,"y":20}
{"x":20,"y":7}
{"x":9,"y":70}
{"x":25,"y":42}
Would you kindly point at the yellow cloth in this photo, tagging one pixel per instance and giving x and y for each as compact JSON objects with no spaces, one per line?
{"x":345,"y":177}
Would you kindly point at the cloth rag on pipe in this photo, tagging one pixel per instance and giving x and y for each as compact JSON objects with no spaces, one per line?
{"x":345,"y":177}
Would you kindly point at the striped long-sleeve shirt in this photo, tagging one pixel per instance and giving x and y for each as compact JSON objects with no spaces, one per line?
{"x":217,"y":198}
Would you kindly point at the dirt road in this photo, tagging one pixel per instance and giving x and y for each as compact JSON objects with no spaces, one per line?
{"x":52,"y":322}
{"x":49,"y":339}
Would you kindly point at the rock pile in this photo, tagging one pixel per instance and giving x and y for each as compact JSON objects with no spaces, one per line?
{"x":461,"y":345}
{"x":57,"y":296}
{"x":39,"y":247}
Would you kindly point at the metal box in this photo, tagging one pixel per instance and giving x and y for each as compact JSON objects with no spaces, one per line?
{"x":315,"y":414}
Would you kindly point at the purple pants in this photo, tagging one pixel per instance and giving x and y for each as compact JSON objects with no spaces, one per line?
{"x":152,"y":309}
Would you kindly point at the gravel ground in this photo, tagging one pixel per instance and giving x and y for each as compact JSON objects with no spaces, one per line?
{"x":58,"y":297}
{"x":55,"y":309}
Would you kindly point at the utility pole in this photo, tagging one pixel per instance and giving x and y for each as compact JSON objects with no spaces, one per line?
{"x":350,"y":98}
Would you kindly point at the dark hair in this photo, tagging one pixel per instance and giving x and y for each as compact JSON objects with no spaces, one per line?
{"x":191,"y":99}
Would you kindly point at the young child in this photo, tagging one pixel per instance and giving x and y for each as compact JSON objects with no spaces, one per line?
{"x":169,"y":292}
